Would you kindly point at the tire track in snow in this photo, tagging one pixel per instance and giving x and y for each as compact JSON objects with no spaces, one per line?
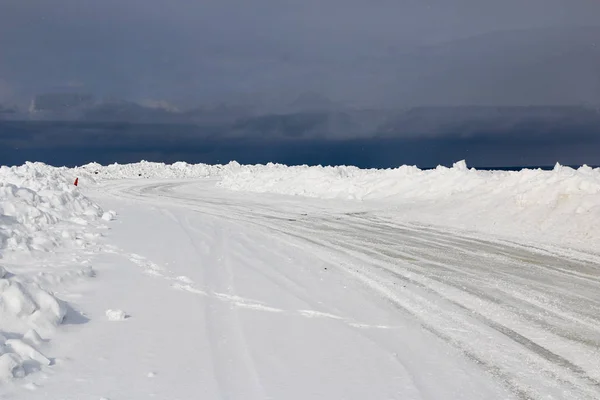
{"x":403,"y":357}
{"x":571,"y":373}
{"x":477,"y":284}
{"x":184,"y":283}
{"x":298,"y":291}
{"x":424,"y":296}
{"x":234,"y":368}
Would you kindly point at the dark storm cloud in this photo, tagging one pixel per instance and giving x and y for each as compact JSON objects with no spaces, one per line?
{"x":356,"y":50}
{"x":77,"y":143}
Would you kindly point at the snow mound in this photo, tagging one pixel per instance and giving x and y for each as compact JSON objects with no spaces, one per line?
{"x":24,"y":305}
{"x":35,"y":197}
{"x":29,"y":301}
{"x":41,"y":210}
{"x":559,"y":205}
{"x":94,"y":172}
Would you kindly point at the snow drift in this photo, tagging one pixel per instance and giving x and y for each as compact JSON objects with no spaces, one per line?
{"x":40,"y":210}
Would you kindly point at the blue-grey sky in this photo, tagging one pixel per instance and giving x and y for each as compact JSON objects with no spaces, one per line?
{"x":358,"y":51}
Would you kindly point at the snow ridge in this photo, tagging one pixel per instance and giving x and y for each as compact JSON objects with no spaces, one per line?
{"x":558,"y":206}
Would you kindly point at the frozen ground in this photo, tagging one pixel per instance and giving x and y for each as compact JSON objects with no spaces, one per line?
{"x":192,"y":290}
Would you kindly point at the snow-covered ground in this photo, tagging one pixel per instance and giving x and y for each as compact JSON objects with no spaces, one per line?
{"x":256,"y":282}
{"x":553,"y":207}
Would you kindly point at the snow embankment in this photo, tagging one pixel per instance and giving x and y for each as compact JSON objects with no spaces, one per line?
{"x":558,"y":206}
{"x":148,"y":170}
{"x":40,"y":211}
{"x":35,"y":197}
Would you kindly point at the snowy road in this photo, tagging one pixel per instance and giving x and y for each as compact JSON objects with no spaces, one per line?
{"x":256,"y":296}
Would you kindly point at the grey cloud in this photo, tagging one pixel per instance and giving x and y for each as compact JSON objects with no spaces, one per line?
{"x":359,"y":50}
{"x":6,"y":90}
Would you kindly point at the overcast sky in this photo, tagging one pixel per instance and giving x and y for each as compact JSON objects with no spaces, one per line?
{"x":199,"y":50}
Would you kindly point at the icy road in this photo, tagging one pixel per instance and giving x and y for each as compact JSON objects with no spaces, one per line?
{"x":234,"y":295}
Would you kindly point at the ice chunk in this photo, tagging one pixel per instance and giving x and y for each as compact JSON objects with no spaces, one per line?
{"x":109,"y":215}
{"x":33,"y":337}
{"x":17,"y":301}
{"x":10,"y":366}
{"x":26,"y":351}
{"x":116,"y":315}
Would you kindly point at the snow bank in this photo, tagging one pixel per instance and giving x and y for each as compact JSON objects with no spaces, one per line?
{"x":35,"y":197}
{"x":147,"y":170}
{"x":40,"y":210}
{"x":562,"y":205}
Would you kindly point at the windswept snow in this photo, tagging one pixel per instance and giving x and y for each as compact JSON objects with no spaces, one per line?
{"x":267,"y":281}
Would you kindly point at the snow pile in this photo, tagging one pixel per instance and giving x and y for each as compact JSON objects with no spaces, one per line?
{"x":27,"y":311}
{"x":40,"y":210}
{"x":559,"y":205}
{"x":352,"y":183}
{"x":147,"y":170}
{"x":30,"y":303}
{"x":35,"y":197}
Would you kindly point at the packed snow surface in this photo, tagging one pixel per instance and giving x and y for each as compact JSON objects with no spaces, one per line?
{"x":267,"y":281}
